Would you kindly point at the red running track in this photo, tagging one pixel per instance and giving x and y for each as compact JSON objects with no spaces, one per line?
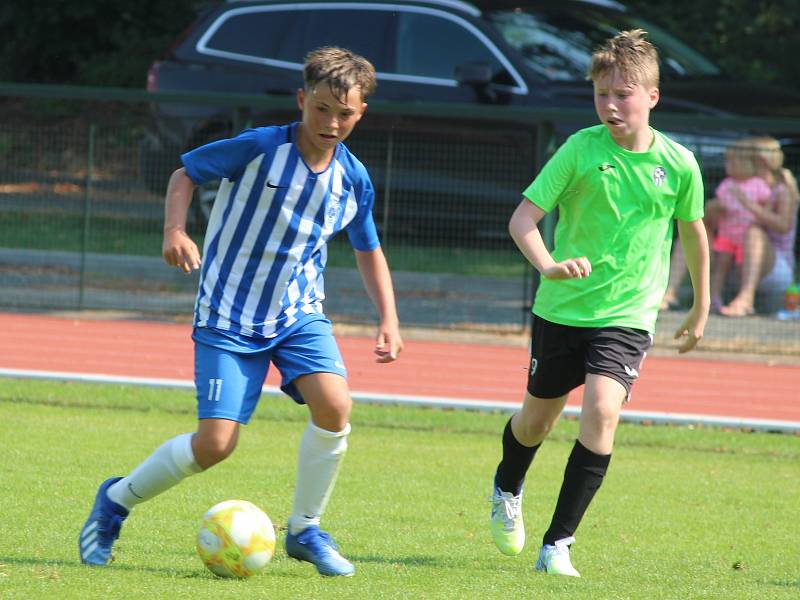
{"x":484,"y":372}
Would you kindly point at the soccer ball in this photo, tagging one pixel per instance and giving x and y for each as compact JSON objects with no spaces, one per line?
{"x":236,"y":539}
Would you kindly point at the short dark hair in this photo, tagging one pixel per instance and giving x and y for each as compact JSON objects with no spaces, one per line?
{"x":341,"y":69}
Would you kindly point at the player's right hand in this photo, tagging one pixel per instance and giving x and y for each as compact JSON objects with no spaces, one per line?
{"x":180,"y":251}
{"x":572,"y":268}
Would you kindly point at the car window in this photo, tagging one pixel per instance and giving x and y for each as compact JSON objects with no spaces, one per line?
{"x":270,"y":34}
{"x":557,"y":40}
{"x":432,"y":46}
{"x":365,"y":32}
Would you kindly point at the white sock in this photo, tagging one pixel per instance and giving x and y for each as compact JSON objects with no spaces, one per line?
{"x":171,"y":463}
{"x":321,"y":453}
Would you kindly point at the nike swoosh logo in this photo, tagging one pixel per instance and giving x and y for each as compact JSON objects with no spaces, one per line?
{"x":606,"y":167}
{"x":275,"y":187}
{"x":130,"y":489}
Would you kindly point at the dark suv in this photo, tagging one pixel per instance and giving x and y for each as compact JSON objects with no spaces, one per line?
{"x":432,"y":172}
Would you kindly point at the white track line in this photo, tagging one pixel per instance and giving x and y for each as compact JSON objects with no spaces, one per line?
{"x":631,"y":416}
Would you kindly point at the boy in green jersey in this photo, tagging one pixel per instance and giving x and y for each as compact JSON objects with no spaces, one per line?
{"x":618,"y":187}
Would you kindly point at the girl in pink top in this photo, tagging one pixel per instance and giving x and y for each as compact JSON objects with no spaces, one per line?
{"x":768,"y":260}
{"x":734,"y":219}
{"x":768,"y":264}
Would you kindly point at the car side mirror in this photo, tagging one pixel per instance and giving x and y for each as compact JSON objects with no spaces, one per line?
{"x":474,"y":73}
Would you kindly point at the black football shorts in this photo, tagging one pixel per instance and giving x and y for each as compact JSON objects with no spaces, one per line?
{"x":562,"y":355}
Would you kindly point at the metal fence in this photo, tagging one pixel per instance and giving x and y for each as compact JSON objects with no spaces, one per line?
{"x":83,"y":172}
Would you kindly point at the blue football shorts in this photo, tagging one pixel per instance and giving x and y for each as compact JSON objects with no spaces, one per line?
{"x":230,"y":372}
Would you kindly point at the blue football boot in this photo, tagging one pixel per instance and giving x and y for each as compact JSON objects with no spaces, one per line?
{"x":102,"y":527}
{"x":317,"y":547}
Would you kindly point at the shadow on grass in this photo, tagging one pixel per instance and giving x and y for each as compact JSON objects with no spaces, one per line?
{"x":283,"y":567}
{"x":406,"y":561}
{"x":781,"y":583}
{"x":46,"y":562}
{"x":424,"y":561}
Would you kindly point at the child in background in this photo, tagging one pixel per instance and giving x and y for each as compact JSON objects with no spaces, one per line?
{"x":769,"y":261}
{"x":734,"y":219}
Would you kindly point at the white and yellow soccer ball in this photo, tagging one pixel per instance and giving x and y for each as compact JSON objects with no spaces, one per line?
{"x":236,"y":539}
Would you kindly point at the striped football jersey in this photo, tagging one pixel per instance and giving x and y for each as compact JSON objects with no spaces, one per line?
{"x":265,"y":246}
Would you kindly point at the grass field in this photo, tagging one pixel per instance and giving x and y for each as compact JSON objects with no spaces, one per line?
{"x":684,"y":513}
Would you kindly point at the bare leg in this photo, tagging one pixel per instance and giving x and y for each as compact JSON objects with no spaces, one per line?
{"x":759,"y":258}
{"x":328,"y":398}
{"x":537,"y":418}
{"x":602,"y":403}
{"x":721,"y":266}
{"x":214,"y":441}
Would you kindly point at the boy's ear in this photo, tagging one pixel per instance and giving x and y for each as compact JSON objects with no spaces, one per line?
{"x":654,"y":94}
{"x":361,"y":112}
{"x":301,"y":98}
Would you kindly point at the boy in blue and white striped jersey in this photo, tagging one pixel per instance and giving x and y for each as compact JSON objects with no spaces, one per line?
{"x":285,"y":191}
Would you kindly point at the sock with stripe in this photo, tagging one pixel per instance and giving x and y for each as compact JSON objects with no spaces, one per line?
{"x":321,"y":453}
{"x":171,"y":463}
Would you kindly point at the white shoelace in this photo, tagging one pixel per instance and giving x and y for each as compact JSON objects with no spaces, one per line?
{"x":511,"y":508}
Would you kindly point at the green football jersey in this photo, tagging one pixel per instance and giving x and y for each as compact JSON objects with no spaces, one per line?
{"x":617,"y":208}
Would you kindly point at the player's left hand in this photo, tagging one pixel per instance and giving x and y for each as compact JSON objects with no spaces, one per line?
{"x":690,"y":331}
{"x":388,"y":345}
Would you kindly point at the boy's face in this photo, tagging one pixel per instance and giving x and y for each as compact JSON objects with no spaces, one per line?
{"x":624,"y":108}
{"x":328,"y":120}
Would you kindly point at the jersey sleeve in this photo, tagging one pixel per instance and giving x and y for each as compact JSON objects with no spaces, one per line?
{"x":223,"y":158}
{"x":361,"y":230}
{"x":551,"y":182}
{"x":689,"y":206}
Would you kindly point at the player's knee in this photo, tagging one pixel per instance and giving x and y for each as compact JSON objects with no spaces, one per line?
{"x":332,"y":414}
{"x":210,"y":450}
{"x":342,"y":410}
{"x":535,"y":428}
{"x":602,"y":419}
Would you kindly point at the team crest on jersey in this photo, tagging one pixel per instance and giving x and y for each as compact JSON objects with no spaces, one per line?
{"x":332,"y":210}
{"x":659,"y":176}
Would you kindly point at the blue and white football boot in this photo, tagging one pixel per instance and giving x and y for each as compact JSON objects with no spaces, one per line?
{"x":102,"y":527}
{"x":317,"y":547}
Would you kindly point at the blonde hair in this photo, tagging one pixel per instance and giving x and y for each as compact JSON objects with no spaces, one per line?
{"x":341,"y":69}
{"x":744,"y":152}
{"x":768,"y":150}
{"x":631,"y":54}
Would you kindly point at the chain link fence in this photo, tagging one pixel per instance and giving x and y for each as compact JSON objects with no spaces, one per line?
{"x":82,"y":178}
